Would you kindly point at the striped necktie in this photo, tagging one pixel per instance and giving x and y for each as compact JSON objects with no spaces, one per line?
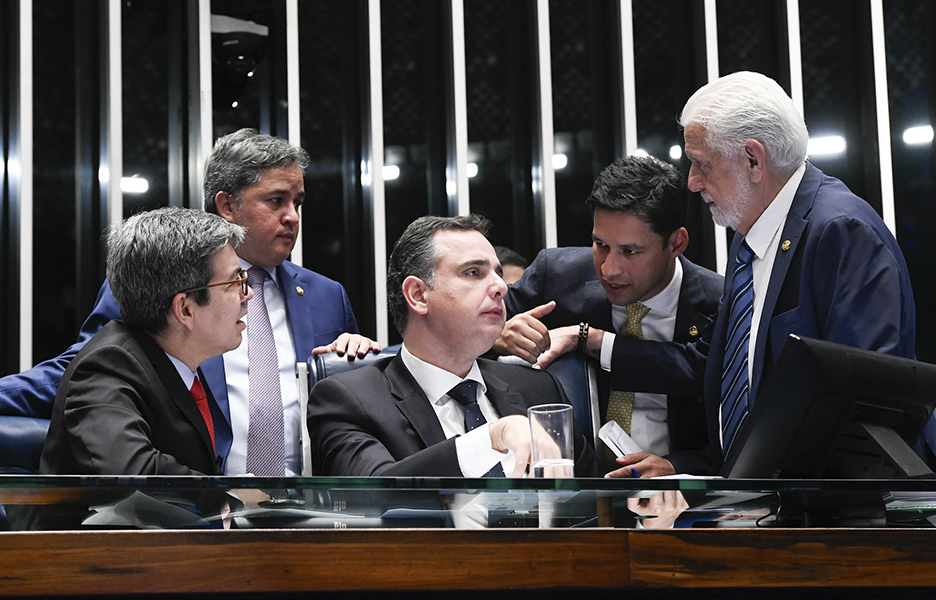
{"x":735,"y":384}
{"x":466,"y":394}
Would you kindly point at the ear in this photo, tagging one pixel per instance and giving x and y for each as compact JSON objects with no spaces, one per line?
{"x":225,"y":204}
{"x":414,"y":291}
{"x":755,"y":160}
{"x":678,"y":241}
{"x":181,"y":311}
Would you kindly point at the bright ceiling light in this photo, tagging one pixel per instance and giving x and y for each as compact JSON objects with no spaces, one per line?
{"x":560,"y":161}
{"x":390,"y":172}
{"x":675,"y":152}
{"x":471,"y":169}
{"x":133,"y":185}
{"x":829,"y":145}
{"x":916,"y":136}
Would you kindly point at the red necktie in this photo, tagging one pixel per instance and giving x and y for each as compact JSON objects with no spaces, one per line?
{"x":201,"y":399}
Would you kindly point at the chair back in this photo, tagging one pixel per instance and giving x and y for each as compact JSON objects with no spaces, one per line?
{"x":579,"y":379}
{"x":315,"y":369}
{"x":21,"y":440}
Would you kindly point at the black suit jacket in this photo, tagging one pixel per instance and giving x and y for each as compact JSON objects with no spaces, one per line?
{"x":122,"y":409}
{"x":567,"y":275}
{"x":376,"y":420}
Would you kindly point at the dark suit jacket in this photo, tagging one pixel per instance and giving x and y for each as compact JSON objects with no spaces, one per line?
{"x":567,"y":275}
{"x":842,"y":278}
{"x":122,"y":409}
{"x":317,"y":307}
{"x":376,"y":420}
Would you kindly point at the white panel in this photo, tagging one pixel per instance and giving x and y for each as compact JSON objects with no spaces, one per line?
{"x":796,"y":55}
{"x":883,"y":115}
{"x":292,"y":98}
{"x":545,"y":177}
{"x":24,"y":170}
{"x":371,"y":172}
{"x":203,"y":77}
{"x":114,"y":113}
{"x":628,"y":85}
{"x":460,"y":96}
{"x":711,"y":63}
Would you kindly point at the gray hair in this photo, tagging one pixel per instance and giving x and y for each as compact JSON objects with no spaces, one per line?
{"x":415,"y":254}
{"x":749,"y":106}
{"x":238,"y":159}
{"x":152,"y":256}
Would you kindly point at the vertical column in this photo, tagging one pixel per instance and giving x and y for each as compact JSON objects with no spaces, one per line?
{"x":628,"y":85}
{"x":200,"y":115}
{"x":456,"y":169}
{"x":711,"y":68}
{"x":372,"y":160}
{"x":544,"y":175}
{"x":292,"y":98}
{"x":796,"y":55}
{"x":21,"y":180}
{"x":113,"y":114}
{"x":882,"y":111}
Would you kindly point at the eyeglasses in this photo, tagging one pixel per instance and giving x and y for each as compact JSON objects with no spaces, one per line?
{"x":241,"y":279}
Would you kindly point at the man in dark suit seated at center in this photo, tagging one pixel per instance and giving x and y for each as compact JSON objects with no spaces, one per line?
{"x":580,"y":299}
{"x":416,"y":414}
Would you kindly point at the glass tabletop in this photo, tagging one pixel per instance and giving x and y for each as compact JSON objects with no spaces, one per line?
{"x":32,"y":502}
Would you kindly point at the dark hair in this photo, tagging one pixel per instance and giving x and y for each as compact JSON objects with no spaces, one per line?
{"x":238,"y":159}
{"x":415,"y":254}
{"x":152,"y":256}
{"x":506,"y":256}
{"x":645,"y":186}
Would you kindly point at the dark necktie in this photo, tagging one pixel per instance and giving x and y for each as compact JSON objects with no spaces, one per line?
{"x":735,"y":384}
{"x":201,"y":400}
{"x":466,"y":394}
{"x":265,"y":445}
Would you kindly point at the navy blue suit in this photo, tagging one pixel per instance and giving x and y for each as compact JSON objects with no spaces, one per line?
{"x":318,"y":309}
{"x":842,"y":278}
{"x":567,"y":275}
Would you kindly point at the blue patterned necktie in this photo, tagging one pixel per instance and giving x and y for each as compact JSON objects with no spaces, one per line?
{"x":466,"y":394}
{"x":735,"y":384}
{"x":265,"y":443}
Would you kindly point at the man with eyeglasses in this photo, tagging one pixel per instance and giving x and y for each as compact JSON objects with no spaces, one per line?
{"x":132,"y":400}
{"x":255,"y":181}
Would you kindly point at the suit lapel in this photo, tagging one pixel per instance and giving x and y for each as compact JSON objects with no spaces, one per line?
{"x":793,"y":229}
{"x":298,"y":311}
{"x":597,"y":309}
{"x":412,"y":402}
{"x":176,"y":390}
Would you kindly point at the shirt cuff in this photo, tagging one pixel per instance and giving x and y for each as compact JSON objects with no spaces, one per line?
{"x":476,"y":456}
{"x":607,"y":348}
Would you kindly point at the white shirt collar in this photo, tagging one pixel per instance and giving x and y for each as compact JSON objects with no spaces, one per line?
{"x":436,"y":382}
{"x":772,"y":219}
{"x":271,"y":271}
{"x":187,"y":375}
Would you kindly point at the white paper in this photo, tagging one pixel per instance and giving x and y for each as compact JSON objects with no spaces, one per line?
{"x":617,"y":439}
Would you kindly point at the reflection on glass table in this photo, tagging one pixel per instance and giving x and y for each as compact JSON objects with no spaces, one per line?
{"x":87,"y":503}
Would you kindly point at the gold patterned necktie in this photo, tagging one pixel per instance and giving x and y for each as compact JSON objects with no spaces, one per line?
{"x":621,"y":404}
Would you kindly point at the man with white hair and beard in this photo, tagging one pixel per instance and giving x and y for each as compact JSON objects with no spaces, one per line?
{"x":808,"y":258}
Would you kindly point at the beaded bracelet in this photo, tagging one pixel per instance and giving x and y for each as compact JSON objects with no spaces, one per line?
{"x":582,"y":338}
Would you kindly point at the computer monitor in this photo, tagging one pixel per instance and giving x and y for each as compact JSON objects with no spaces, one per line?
{"x":835,"y":412}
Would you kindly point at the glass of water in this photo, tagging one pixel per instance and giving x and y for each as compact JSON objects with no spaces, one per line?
{"x":552,"y":441}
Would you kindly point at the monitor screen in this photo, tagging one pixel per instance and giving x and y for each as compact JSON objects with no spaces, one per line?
{"x":836,"y":412}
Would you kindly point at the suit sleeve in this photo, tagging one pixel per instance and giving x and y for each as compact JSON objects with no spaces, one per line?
{"x":345,"y":442}
{"x":107,"y":416}
{"x":857,"y":287}
{"x":32,"y":392}
{"x":528,"y":292}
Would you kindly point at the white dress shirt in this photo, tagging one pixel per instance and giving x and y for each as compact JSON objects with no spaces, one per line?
{"x":649,"y":424}
{"x":475,"y":454}
{"x":238,"y":384}
{"x":764,"y":240}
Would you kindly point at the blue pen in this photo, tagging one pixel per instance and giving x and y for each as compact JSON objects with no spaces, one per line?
{"x":634,"y":473}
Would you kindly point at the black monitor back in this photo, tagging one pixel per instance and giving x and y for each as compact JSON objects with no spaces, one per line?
{"x":832,"y":411}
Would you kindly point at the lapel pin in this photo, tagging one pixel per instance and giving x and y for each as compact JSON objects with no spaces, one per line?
{"x":299,"y":290}
{"x":694,"y":331}
{"x":785,"y":245}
